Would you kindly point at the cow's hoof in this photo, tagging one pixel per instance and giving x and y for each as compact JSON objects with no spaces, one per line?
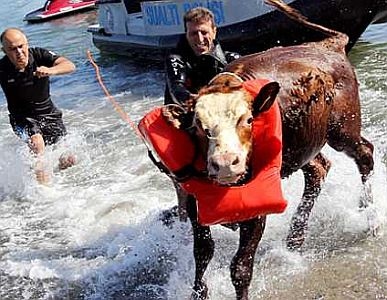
{"x":373,"y":220}
{"x":366,"y":197}
{"x":200,"y":292}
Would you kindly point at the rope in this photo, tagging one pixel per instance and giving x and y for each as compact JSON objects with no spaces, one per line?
{"x":225,"y":73}
{"x":124,"y":116}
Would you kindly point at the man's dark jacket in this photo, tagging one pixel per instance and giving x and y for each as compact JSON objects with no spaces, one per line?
{"x":186,"y":73}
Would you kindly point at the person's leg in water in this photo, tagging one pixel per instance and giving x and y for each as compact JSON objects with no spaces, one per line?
{"x":37,"y":146}
{"x":53,"y":130}
{"x":42,"y":172}
{"x":38,"y":134}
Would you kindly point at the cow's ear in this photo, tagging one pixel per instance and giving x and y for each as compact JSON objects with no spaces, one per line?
{"x":177,"y":116}
{"x":265,"y":98}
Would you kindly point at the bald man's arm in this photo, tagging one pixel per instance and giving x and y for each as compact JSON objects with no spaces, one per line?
{"x":61,"y":66}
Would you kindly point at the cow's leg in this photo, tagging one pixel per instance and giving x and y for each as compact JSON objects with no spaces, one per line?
{"x":242,"y":263}
{"x":361,"y":150}
{"x":169,"y":216}
{"x":314,"y":174}
{"x":344,"y":134}
{"x":203,"y":250}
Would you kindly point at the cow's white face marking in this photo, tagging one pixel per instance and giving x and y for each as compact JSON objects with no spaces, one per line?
{"x":226,"y":120}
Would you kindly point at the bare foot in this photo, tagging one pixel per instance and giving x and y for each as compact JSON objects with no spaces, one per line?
{"x":66,"y":161}
{"x":43,"y":176}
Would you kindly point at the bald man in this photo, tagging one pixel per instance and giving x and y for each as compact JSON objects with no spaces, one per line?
{"x":24,"y":78}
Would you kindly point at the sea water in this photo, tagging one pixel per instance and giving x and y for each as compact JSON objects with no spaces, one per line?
{"x":94,"y":233}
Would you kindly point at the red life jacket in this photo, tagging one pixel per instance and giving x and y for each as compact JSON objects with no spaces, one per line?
{"x":218,"y":204}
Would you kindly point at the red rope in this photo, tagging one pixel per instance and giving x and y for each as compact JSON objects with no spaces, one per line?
{"x":124,"y":116}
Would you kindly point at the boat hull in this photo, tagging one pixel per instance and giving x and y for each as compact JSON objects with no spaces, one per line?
{"x":261,"y":32}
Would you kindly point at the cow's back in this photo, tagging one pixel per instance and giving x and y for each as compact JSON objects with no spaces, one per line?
{"x":315,"y":81}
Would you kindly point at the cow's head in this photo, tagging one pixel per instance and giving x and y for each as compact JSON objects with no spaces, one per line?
{"x":223,"y":117}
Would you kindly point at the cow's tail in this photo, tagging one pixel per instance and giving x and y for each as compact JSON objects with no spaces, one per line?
{"x":297,"y":16}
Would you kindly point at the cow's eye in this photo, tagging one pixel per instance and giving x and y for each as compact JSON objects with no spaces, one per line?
{"x":208,"y":133}
{"x":245,"y":121}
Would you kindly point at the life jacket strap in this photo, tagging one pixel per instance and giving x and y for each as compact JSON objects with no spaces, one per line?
{"x":181,"y":175}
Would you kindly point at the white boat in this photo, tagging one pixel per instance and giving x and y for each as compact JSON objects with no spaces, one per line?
{"x":146,"y":29}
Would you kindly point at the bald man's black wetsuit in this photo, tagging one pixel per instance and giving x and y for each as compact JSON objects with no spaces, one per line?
{"x":31,"y":110}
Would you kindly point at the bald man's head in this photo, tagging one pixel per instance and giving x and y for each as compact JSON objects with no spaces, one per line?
{"x":15,"y":46}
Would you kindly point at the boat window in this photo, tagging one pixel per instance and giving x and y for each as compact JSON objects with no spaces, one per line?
{"x":132,"y":6}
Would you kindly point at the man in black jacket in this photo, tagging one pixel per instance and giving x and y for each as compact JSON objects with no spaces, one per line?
{"x":197,"y":58}
{"x":24,"y":78}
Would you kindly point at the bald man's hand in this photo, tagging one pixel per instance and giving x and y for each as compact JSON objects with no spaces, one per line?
{"x":43,"y":72}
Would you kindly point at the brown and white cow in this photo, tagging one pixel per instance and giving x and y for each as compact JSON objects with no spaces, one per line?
{"x":319,"y":102}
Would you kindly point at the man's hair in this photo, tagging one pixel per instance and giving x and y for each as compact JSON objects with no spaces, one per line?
{"x":8,"y":29}
{"x":198,"y":14}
